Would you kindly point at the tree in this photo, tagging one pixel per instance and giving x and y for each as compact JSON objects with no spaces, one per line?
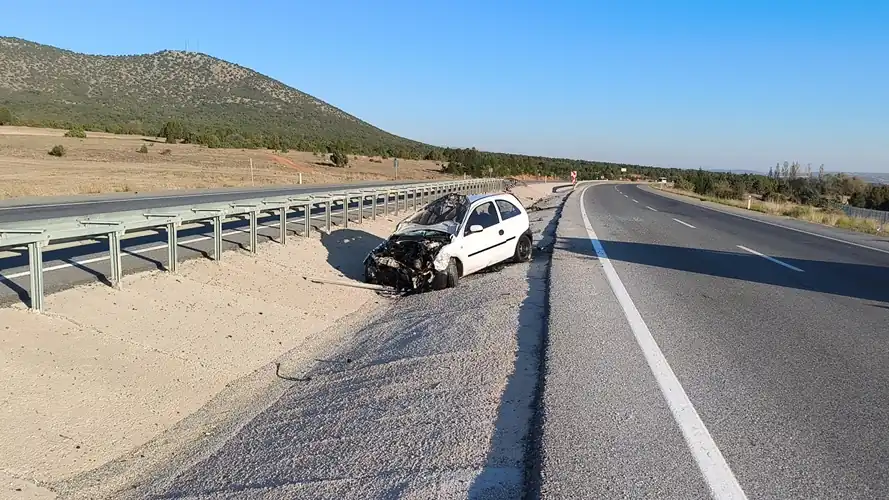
{"x":58,"y":150}
{"x":5,"y":116}
{"x":821,"y":173}
{"x":339,"y":159}
{"x":173,"y":131}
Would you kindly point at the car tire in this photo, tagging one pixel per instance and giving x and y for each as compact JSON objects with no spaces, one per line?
{"x":453,"y":273}
{"x":522,"y":249}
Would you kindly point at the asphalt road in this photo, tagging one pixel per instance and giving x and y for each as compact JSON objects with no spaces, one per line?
{"x":694,"y":353}
{"x":74,"y":206}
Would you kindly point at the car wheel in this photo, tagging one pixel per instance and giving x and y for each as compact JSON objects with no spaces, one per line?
{"x":453,"y":273}
{"x":523,"y":249}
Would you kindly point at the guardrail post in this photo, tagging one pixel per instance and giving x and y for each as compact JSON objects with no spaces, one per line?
{"x":346,"y":212}
{"x":172,"y":247}
{"x":373,"y":206}
{"x":415,"y":199}
{"x":283,"y":223}
{"x":361,"y":208}
{"x":116,"y":265}
{"x":307,"y":214}
{"x":217,"y":238}
{"x":328,"y":206}
{"x":397,"y":201}
{"x":253,"y":238}
{"x":35,"y":265}
{"x":386,"y":203}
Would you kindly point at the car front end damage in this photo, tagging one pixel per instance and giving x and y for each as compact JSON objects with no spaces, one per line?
{"x":416,"y":255}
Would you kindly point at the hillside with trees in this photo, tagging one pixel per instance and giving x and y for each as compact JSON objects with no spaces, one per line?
{"x":195,"y":98}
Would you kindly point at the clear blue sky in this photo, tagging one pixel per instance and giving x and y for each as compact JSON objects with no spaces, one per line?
{"x":719,"y":83}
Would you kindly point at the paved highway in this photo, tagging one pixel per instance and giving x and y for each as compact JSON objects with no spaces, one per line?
{"x":73,"y":206}
{"x":694,"y":353}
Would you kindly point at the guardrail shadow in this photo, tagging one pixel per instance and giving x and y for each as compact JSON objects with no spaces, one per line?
{"x":346,"y":249}
{"x":861,"y":281}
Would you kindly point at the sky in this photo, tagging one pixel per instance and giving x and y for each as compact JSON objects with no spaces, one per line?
{"x":717,"y":84}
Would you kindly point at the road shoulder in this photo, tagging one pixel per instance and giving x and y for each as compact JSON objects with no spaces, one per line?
{"x":434,"y":398}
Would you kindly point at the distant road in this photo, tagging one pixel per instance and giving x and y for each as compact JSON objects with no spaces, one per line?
{"x":691,"y":351}
{"x":72,"y":206}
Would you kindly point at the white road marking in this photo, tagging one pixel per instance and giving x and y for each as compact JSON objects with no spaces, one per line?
{"x":684,"y":223}
{"x":653,"y":210}
{"x":716,"y":471}
{"x":138,"y":251}
{"x":635,"y":200}
{"x":776,"y":261}
{"x":831,"y":238}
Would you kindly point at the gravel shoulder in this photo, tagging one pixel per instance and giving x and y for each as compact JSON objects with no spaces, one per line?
{"x":434,"y":398}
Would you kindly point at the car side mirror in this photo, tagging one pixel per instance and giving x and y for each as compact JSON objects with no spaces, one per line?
{"x":475,"y":228}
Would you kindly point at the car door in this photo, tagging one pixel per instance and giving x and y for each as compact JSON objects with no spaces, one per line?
{"x":513,"y":224}
{"x":479,"y":248}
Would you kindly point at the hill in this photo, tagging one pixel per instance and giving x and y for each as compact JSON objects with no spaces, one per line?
{"x":48,"y":86}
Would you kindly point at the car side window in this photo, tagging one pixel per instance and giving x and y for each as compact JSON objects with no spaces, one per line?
{"x":507,"y":209}
{"x":484,"y":215}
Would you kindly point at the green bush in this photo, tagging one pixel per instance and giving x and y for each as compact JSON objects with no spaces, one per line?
{"x":5,"y":116}
{"x":339,"y":159}
{"x":58,"y":150}
{"x":76,"y":133}
{"x":143,"y":149}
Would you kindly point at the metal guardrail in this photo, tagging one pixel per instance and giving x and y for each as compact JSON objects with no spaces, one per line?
{"x":40,"y":235}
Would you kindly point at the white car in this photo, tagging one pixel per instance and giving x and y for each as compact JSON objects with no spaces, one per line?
{"x":454,"y":236}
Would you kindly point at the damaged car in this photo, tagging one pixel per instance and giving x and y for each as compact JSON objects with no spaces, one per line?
{"x":454,"y":236}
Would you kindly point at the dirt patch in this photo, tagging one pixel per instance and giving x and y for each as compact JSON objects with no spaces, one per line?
{"x":108,"y":163}
{"x":108,"y":370}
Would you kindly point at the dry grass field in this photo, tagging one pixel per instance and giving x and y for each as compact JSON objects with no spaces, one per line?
{"x":107,"y":163}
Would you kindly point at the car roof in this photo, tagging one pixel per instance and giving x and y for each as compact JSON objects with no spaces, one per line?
{"x":476,"y":197}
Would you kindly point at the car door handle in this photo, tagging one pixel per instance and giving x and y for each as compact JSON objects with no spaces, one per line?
{"x":501,"y":232}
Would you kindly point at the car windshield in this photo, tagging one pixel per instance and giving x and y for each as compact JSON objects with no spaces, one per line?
{"x":451,"y":207}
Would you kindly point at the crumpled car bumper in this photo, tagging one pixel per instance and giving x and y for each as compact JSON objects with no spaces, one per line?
{"x":406,"y":262}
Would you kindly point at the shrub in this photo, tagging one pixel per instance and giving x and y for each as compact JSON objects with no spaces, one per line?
{"x":166,"y":152}
{"x":143,"y":149}
{"x":76,"y":132}
{"x":5,"y":116}
{"x":58,"y":150}
{"x":339,"y":159}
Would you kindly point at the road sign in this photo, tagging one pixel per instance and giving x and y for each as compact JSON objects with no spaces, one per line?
{"x":574,"y":177}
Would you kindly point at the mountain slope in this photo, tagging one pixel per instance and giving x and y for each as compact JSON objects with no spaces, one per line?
{"x":44,"y":85}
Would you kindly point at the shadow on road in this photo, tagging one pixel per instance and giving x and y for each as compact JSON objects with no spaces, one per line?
{"x":517,"y":425}
{"x":837,"y":278}
{"x":346,"y":249}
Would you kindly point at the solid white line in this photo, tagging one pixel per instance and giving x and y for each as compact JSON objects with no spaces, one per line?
{"x":653,"y":210}
{"x":683,"y":223}
{"x":141,"y":250}
{"x":726,"y":212}
{"x":776,"y":261}
{"x":716,"y":471}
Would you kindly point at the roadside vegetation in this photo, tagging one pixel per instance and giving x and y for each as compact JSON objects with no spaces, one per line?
{"x":814,"y":198}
